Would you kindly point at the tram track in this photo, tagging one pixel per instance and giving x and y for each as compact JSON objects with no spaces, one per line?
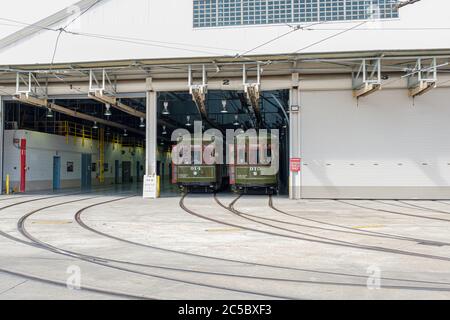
{"x":45,"y":280}
{"x":369,"y":233}
{"x":407,"y":205}
{"x":391,"y":211}
{"x":320,"y":240}
{"x":190,"y":211}
{"x":424,"y":208}
{"x":62,"y":284}
{"x":79,"y":220}
{"x":105,"y":262}
{"x":443,"y":202}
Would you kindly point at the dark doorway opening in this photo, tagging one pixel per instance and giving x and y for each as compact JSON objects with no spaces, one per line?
{"x":86,"y":171}
{"x":126,"y":172}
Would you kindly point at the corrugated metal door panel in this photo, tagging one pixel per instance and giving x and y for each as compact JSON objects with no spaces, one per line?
{"x":385,"y":147}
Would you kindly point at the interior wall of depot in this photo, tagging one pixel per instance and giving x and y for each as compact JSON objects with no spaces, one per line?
{"x":386,"y":145}
{"x":42,"y":148}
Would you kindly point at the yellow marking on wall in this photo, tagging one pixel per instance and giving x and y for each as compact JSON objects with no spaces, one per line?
{"x":66,"y":127}
{"x":7,"y":184}
{"x":82,"y":136}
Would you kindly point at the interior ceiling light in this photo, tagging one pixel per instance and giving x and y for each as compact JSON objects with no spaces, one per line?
{"x":108,"y":112}
{"x":125,"y":133}
{"x":188,"y":121}
{"x":236,"y":121}
{"x":166,"y":108}
{"x":224,"y":106}
{"x":49,"y":113}
{"x":95,"y":125}
{"x":142,"y":125}
{"x":164,"y":130}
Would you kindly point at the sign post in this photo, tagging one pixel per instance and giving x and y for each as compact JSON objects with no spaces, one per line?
{"x":150,"y":187}
{"x":296,"y":165}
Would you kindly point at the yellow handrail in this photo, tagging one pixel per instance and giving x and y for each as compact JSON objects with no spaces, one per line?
{"x":71,"y":129}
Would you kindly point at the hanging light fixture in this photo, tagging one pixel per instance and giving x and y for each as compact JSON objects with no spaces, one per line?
{"x":236,"y":121}
{"x":224,"y":106}
{"x":108,"y":112}
{"x":49,"y":113}
{"x":166,"y":108}
{"x":188,"y":123}
{"x":142,"y":125}
{"x":164,"y":132}
{"x":95,"y":127}
{"x":125,"y":133}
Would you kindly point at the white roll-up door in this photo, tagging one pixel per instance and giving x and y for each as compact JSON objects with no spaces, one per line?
{"x":386,"y":146}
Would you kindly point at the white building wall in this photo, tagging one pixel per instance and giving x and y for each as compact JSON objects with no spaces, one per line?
{"x":387,"y":145}
{"x":42,"y":147}
{"x":164,"y":29}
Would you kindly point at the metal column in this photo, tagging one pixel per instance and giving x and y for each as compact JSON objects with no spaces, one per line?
{"x":151,"y":132}
{"x":2,"y":137}
{"x":295,"y":138}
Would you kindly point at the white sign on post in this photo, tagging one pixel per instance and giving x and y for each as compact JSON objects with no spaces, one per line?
{"x":150,"y":187}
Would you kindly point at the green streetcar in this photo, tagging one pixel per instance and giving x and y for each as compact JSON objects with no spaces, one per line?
{"x":245,"y":177}
{"x":193,"y":174}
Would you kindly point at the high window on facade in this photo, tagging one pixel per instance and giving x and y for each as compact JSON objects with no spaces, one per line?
{"x":216,"y":13}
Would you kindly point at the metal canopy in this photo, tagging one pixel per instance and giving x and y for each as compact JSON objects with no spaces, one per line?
{"x":279,"y":64}
{"x":222,"y":73}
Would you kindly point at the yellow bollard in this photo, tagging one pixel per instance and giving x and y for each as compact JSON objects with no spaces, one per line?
{"x":7,"y":184}
{"x":158,"y":186}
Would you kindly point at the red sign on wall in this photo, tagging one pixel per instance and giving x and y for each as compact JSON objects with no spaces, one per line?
{"x":296,"y":164}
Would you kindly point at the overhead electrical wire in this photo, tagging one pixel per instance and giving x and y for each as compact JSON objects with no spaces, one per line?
{"x":330,"y":37}
{"x":28,"y":24}
{"x":154,"y":43}
{"x":148,"y":42}
{"x":267,"y":42}
{"x":55,"y":48}
{"x":294,"y":29}
{"x":383,"y":29}
{"x":142,"y":43}
{"x":63,"y":29}
{"x":138,"y":41}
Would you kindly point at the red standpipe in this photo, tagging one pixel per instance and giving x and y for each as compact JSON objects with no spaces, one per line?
{"x":23,"y":164}
{"x":174,"y":174}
